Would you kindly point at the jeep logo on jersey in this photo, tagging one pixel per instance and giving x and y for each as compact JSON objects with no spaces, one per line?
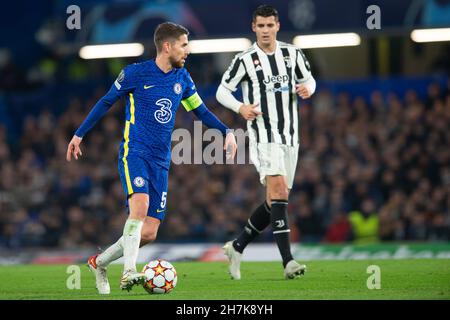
{"x":287,"y":61}
{"x":276,"y":79}
{"x":164,"y":114}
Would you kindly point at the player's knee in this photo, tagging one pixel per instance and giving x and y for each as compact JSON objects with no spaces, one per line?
{"x":148,"y":236}
{"x":279,"y":191}
{"x":138,"y":206}
{"x":138,"y":214}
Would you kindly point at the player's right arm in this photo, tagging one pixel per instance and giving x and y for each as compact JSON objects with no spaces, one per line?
{"x":121,"y":86}
{"x":230,"y":80}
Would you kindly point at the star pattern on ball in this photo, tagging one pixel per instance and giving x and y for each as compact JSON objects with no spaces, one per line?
{"x":168,"y":286}
{"x":159,"y":269}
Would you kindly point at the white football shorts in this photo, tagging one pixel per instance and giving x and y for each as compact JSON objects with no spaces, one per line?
{"x":271,"y":159}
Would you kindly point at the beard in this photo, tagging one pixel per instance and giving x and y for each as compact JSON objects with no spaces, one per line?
{"x":176,"y":63}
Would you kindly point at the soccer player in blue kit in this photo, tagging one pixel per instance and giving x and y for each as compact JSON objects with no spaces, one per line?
{"x":154,"y":90}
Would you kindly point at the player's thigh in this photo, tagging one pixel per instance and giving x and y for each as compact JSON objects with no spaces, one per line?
{"x":134,"y":175}
{"x":158,"y":178}
{"x":139,"y":204}
{"x":260,"y":157}
{"x":134,"y":178}
{"x":270,"y":160}
{"x":291,"y":161}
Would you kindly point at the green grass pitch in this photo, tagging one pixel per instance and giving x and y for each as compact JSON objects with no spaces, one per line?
{"x":400,"y":279}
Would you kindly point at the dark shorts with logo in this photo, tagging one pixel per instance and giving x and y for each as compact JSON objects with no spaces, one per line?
{"x":141,"y":176}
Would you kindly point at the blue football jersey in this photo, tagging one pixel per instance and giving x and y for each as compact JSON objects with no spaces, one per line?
{"x":153,"y":98}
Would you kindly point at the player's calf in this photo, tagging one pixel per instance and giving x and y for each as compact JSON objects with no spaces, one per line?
{"x":281,"y":231}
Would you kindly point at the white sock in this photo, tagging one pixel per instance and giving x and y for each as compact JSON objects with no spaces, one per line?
{"x":114,"y":252}
{"x":131,"y":240}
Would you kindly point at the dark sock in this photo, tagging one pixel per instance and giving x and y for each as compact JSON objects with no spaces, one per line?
{"x":257,"y":222}
{"x":281,"y":231}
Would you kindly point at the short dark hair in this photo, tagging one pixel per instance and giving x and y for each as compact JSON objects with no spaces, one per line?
{"x":168,"y":31}
{"x":265,"y":11}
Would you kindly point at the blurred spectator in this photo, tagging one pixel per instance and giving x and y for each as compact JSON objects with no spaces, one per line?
{"x":365,"y":223}
{"x":339,"y":230}
{"x":13,"y":78}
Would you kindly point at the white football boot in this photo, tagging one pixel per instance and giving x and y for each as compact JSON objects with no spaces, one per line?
{"x":294,"y":270}
{"x":131,"y":278}
{"x":234,"y":258}
{"x":101,"y":279}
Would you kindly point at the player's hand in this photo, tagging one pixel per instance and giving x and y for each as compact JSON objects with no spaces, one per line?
{"x":74,"y":148}
{"x":230,"y":146}
{"x":250,"y":111}
{"x":302,"y":91}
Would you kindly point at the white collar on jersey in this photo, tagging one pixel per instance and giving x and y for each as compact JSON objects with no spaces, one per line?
{"x":255,"y":44}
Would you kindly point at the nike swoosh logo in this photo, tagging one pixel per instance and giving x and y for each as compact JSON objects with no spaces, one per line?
{"x":157,"y":210}
{"x":148,"y":87}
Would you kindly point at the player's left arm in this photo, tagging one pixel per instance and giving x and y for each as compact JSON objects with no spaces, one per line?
{"x":97,"y":112}
{"x":306,"y":84}
{"x":123,"y":85}
{"x":192,"y":102}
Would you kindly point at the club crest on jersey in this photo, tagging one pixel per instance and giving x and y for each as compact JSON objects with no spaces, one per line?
{"x":139,"y":182}
{"x":287,"y":61}
{"x":177,"y":88}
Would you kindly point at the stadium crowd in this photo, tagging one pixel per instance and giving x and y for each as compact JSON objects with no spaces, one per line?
{"x":368,"y":171}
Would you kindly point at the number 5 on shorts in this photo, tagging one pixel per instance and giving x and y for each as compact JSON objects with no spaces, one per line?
{"x":163,"y":200}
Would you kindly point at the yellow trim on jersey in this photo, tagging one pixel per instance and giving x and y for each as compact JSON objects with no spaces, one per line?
{"x":132,"y":108}
{"x":192,"y":102}
{"x":125,"y":154}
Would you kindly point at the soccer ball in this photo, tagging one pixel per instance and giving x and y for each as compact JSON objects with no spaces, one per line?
{"x":161,"y":276}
